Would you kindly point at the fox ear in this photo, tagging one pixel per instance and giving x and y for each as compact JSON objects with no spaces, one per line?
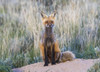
{"x":53,"y":14}
{"x":43,"y":14}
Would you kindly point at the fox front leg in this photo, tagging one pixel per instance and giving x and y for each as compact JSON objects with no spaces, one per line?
{"x":46,"y":57}
{"x":53,"y":55}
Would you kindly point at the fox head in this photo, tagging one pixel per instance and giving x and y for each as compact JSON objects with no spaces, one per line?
{"x":48,"y":21}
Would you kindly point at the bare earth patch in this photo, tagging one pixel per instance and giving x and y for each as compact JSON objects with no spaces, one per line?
{"x":77,"y":65}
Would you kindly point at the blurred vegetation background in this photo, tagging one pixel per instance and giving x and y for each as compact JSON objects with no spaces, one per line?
{"x":77,"y":28}
{"x":95,"y":67}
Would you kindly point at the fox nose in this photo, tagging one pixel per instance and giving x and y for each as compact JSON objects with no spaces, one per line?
{"x":49,"y":25}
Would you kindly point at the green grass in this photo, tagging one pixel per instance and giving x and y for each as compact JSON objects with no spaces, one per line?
{"x":4,"y":67}
{"x":77,"y":28}
{"x":95,"y":67}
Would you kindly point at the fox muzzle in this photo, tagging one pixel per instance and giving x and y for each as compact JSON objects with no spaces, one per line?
{"x":49,"y":25}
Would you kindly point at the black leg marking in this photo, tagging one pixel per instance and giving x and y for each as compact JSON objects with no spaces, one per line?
{"x":53,"y":55}
{"x":46,"y":57}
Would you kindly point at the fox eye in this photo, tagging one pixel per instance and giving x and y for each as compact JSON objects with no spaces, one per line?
{"x":46,"y":22}
{"x":52,"y":22}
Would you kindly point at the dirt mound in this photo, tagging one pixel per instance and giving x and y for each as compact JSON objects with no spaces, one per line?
{"x":77,"y":65}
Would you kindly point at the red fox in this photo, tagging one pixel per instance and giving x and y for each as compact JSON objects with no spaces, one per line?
{"x":49,"y":46}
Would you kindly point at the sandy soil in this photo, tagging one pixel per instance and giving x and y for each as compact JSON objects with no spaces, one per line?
{"x":77,"y":65}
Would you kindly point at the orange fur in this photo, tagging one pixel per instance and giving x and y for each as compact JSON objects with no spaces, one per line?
{"x":49,"y":19}
{"x":57,"y":49}
{"x":53,"y":52}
